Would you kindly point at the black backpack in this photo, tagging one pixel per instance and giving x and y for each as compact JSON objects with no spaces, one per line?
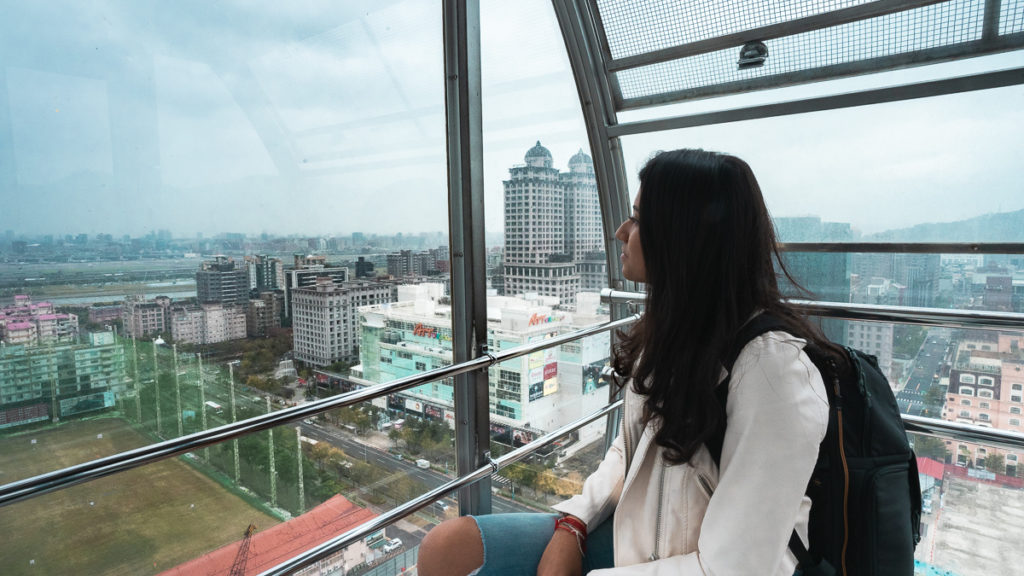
{"x":865,"y":493}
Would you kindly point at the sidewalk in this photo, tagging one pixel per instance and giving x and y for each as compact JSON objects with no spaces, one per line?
{"x":373,"y":438}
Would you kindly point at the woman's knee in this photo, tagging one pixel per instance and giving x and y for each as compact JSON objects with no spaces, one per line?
{"x":453,"y":548}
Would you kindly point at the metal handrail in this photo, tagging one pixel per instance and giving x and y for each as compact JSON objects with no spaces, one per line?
{"x":875,"y":312}
{"x":964,"y":432}
{"x":904,"y":247}
{"x":341,"y":541}
{"x":101,"y":467}
{"x":914,"y":424}
{"x":24,"y":489}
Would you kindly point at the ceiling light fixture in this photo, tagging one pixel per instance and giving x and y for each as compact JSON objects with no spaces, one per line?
{"x":752,"y":55}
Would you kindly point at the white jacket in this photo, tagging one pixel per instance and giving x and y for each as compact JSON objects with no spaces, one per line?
{"x":666,"y":520}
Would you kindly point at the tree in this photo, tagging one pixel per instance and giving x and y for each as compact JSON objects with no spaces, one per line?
{"x":995,"y":463}
{"x":395,"y":436}
{"x":320,"y":452}
{"x":930,"y":447}
{"x":935,"y":399}
{"x":260,"y":383}
{"x":907,"y":340}
{"x":522,"y":475}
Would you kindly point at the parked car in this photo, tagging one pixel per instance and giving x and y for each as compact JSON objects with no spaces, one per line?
{"x":392,"y":545}
{"x":421,"y":463}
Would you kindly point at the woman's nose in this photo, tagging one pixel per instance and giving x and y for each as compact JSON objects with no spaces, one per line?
{"x":620,"y":232}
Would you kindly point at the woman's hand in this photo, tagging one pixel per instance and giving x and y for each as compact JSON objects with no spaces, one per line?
{"x":562,"y":556}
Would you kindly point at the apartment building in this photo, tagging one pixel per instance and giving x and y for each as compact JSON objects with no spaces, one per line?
{"x":325,"y":319}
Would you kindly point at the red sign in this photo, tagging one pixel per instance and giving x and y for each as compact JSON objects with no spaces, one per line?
{"x":427,"y":331}
{"x":550,"y":371}
{"x":540,"y":319}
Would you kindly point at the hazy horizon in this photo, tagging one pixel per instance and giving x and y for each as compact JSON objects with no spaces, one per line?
{"x":320,"y":118}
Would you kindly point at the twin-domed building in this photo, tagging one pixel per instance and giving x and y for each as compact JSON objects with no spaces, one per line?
{"x":553,"y":239}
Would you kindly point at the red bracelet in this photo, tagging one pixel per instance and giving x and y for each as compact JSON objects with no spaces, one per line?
{"x":575,"y":527}
{"x":574,"y":522}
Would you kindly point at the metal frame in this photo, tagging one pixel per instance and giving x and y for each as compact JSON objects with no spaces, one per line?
{"x":983,"y":81}
{"x":101,"y":467}
{"x":468,"y":250}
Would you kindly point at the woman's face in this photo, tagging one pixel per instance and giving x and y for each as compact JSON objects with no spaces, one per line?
{"x":632,"y":256}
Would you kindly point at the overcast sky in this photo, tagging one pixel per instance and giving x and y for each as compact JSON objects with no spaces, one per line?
{"x":327,"y":117}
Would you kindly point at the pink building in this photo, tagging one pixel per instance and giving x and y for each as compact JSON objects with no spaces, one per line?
{"x":986,"y":388}
{"x":36,"y":324}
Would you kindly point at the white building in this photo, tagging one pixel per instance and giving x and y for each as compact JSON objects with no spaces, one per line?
{"x":528,"y":395}
{"x":143,"y":317}
{"x":875,"y":338}
{"x":325,"y":320}
{"x":207,"y":324}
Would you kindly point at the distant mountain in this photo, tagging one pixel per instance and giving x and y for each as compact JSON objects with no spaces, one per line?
{"x":1001,"y":227}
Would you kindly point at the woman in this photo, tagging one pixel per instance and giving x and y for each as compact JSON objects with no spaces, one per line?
{"x":701,"y":240}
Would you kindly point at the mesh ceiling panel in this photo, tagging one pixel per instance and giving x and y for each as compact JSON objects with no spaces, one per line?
{"x":936,"y":25}
{"x":1011,"y":18}
{"x":640,"y":26}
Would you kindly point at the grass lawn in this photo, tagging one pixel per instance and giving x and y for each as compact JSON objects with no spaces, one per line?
{"x":142,"y":521}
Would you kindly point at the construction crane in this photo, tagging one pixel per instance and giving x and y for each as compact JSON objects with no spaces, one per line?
{"x":238,"y":566}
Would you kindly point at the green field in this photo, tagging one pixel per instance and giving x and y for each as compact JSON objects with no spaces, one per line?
{"x":142,"y":521}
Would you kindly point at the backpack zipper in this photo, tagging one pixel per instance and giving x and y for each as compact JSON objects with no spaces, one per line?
{"x":846,"y":467}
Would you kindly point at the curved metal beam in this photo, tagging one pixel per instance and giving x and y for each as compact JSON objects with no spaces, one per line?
{"x":588,"y":58}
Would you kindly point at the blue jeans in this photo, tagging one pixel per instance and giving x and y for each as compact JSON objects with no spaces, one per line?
{"x":514,"y":543}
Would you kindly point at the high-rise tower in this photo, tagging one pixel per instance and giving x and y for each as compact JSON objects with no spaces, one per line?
{"x":552,"y":222}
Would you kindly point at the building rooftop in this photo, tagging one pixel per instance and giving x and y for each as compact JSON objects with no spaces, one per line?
{"x":279,"y":543}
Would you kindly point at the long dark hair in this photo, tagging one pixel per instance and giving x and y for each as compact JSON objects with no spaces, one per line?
{"x":712,"y":261}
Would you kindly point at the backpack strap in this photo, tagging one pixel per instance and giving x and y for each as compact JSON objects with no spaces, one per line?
{"x":755,"y":327}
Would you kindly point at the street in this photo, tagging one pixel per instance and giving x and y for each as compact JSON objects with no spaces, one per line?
{"x":927,"y":371}
{"x":373,"y":455}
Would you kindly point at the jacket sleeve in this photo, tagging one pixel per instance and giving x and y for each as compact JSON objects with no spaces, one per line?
{"x":777,"y":416}
{"x":601,"y":490}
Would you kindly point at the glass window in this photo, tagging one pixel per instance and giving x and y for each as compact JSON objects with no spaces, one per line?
{"x":967,"y":378}
{"x":195,"y":192}
{"x":547,"y":259}
{"x":966,"y":391}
